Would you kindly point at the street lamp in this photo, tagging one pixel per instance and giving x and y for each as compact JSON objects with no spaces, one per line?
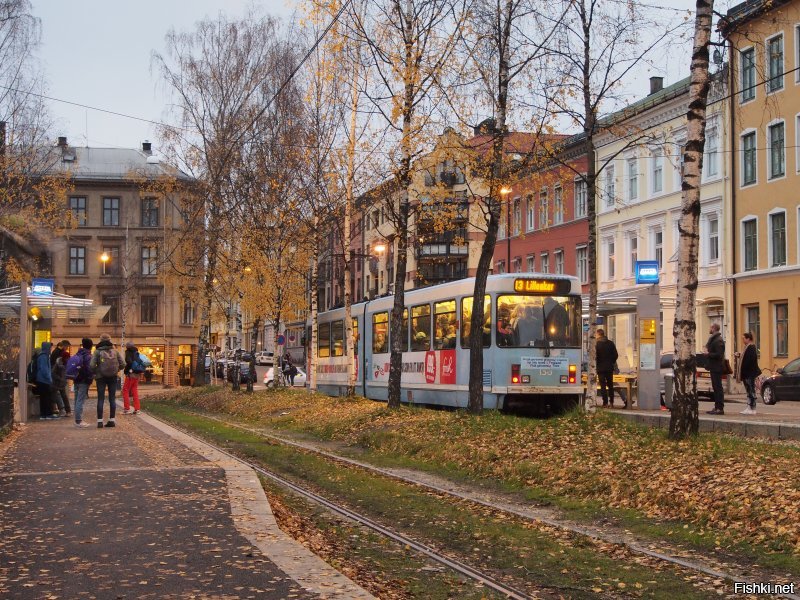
{"x":505,"y":191}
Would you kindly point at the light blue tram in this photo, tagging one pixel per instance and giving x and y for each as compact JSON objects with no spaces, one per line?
{"x":532,"y":344}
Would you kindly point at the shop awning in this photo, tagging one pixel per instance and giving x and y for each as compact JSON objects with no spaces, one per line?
{"x":54,"y":306}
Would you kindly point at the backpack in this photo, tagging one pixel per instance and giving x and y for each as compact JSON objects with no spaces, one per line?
{"x":33,"y":370}
{"x":137,"y":366}
{"x":108,"y":363}
{"x":73,"y":366}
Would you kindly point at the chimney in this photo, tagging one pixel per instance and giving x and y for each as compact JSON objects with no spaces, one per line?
{"x":62,"y":141}
{"x":147,"y":147}
{"x":656,"y":84}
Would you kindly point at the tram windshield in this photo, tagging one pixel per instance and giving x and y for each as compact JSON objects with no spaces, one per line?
{"x":538,"y":321}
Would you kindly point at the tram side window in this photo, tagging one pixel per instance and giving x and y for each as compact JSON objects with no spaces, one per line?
{"x":446,"y":325}
{"x":355,"y":336}
{"x":421,"y":328}
{"x":337,"y":337}
{"x":466,"y":321}
{"x":324,"y":340}
{"x":380,"y":332}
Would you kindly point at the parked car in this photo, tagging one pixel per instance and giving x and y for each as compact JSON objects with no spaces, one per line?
{"x":265,"y":358}
{"x":246,"y":375}
{"x":783,"y":385}
{"x":703,"y":376}
{"x":299,"y":379}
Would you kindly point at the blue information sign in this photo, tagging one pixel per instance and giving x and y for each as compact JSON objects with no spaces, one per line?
{"x":42,"y":287}
{"x":646,"y":271}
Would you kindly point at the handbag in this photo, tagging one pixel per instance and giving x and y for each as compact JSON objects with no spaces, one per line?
{"x":728,"y":369}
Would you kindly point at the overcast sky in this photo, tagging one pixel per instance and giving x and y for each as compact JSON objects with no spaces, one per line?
{"x":98,"y":53}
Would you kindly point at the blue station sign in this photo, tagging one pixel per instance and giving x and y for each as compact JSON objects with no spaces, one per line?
{"x":42,"y":287}
{"x":647,"y":271}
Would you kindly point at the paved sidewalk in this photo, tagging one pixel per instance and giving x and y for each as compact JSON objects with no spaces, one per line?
{"x":132,"y":512}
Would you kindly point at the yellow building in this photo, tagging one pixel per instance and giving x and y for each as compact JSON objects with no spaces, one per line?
{"x":765,"y":124}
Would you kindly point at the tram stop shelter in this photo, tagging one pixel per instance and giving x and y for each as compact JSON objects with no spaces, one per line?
{"x":34,"y":304}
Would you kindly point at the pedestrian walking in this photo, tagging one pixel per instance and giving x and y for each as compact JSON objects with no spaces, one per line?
{"x":106,"y":364}
{"x":134,"y":367}
{"x":748,"y":371}
{"x":606,"y":356}
{"x":715,"y":364}
{"x":59,"y":374}
{"x":44,"y":382}
{"x":80,"y":371}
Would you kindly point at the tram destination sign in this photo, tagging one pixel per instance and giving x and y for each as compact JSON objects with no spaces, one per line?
{"x":531,"y":285}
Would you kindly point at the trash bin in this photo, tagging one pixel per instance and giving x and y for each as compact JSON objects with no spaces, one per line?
{"x":669,"y":389}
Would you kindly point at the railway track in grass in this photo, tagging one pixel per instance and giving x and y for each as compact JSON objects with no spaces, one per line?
{"x":459,"y":567}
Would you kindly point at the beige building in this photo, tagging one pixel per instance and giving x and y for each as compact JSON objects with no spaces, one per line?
{"x":115,"y":255}
{"x":639,"y":199}
{"x":764,"y":41}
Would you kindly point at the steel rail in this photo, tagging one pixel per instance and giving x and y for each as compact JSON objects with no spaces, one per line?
{"x":451,"y":563}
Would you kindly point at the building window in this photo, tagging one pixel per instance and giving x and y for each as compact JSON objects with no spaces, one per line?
{"x":111,"y":266}
{"x":501,"y":226}
{"x":543,"y":209}
{"x":558,"y":260}
{"x":633,"y":250}
{"x":775,"y":64}
{"x":531,"y":206}
{"x":713,"y":239}
{"x":749,"y":158}
{"x":580,"y":198}
{"x":77,"y":260}
{"x":657,"y":237}
{"x":777,"y":150}
{"x":582,"y":263}
{"x":558,"y":205}
{"x":149,"y":212}
{"x":610,"y":187}
{"x":544,"y":261}
{"x":750,"y":234}
{"x":633,"y":179}
{"x":188,"y":310}
{"x":77,"y":204}
{"x":77,"y":320}
{"x":149,"y":309}
{"x":516,"y":265}
{"x":782,"y":329}
{"x":748,"y":77}
{"x":657,"y":173}
{"x":501,"y":267}
{"x":752,"y":319}
{"x":531,"y":263}
{"x":711,"y":159}
{"x":680,"y":153}
{"x":111,"y":212}
{"x":777,"y":233}
{"x":517,"y":216}
{"x":610,"y":259}
{"x":149,"y":260}
{"x":112,"y":316}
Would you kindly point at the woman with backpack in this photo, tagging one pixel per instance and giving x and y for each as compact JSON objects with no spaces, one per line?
{"x":59,"y":374}
{"x":134,"y":367}
{"x":105,"y":364}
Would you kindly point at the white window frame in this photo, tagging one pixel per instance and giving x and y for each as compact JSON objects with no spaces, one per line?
{"x":768,"y":132}
{"x":656,"y":164}
{"x":609,"y":184}
{"x":712,"y":132}
{"x":797,"y":140}
{"x":608,"y":275}
{"x":530,"y":208}
{"x":544,"y":208}
{"x":558,"y":204}
{"x":767,"y":64}
{"x":544,"y":262}
{"x":582,"y":273}
{"x":558,"y":261}
{"x":742,"y":221}
{"x":742,"y":135}
{"x":580,"y":183}
{"x":530,"y":263}
{"x":754,"y":89}
{"x":707,"y":260}
{"x":631,"y":178}
{"x":770,"y":247}
{"x":630,"y":262}
{"x":653,"y":230}
{"x":679,"y":144}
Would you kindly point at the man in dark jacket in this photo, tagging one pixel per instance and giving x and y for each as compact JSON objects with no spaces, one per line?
{"x":44,"y":383}
{"x":83,"y":380}
{"x":748,"y":371}
{"x":715,"y":357}
{"x":606,"y":354}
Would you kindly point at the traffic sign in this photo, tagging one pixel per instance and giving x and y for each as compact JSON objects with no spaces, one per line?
{"x":281,"y":340}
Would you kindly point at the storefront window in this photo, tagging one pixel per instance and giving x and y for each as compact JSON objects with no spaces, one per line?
{"x":154,"y":373}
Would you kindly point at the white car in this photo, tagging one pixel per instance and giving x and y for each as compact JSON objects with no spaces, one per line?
{"x":299,"y":379}
{"x":265,"y":358}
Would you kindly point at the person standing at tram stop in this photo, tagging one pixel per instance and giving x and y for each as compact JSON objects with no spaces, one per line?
{"x":748,"y":371}
{"x":606,"y":355}
{"x":715,"y":357}
{"x":134,"y":367}
{"x":106,"y":364}
{"x":59,"y":388}
{"x":83,"y":379}
{"x":44,"y":382}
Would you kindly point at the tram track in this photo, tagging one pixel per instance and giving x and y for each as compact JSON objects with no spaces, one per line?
{"x":451,"y":563}
{"x":593,"y":533}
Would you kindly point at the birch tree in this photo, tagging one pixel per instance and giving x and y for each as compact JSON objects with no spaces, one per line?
{"x":684,"y":419}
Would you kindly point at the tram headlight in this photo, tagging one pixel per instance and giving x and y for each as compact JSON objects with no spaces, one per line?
{"x":573,"y":373}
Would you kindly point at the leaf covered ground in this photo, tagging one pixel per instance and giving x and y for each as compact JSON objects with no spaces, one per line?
{"x":745,"y":490}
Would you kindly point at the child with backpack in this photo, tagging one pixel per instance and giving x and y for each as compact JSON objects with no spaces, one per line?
{"x":105,"y":364}
{"x":134,"y":367}
{"x":79,"y":371}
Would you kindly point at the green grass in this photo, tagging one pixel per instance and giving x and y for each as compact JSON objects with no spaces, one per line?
{"x":528,"y":555}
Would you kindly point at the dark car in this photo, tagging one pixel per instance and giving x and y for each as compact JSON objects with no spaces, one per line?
{"x":784,"y":385}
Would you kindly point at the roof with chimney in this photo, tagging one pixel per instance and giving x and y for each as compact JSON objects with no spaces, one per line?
{"x":111,"y":164}
{"x":750,"y":9}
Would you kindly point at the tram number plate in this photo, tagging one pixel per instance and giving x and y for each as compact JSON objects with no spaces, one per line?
{"x":545,"y":372}
{"x":544,"y":363}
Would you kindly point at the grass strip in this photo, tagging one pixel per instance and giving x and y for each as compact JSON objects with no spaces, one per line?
{"x":539,"y":557}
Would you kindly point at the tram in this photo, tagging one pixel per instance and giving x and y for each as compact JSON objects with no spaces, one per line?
{"x":532,"y":342}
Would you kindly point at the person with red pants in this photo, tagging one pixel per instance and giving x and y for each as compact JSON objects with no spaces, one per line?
{"x":133,"y":369}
